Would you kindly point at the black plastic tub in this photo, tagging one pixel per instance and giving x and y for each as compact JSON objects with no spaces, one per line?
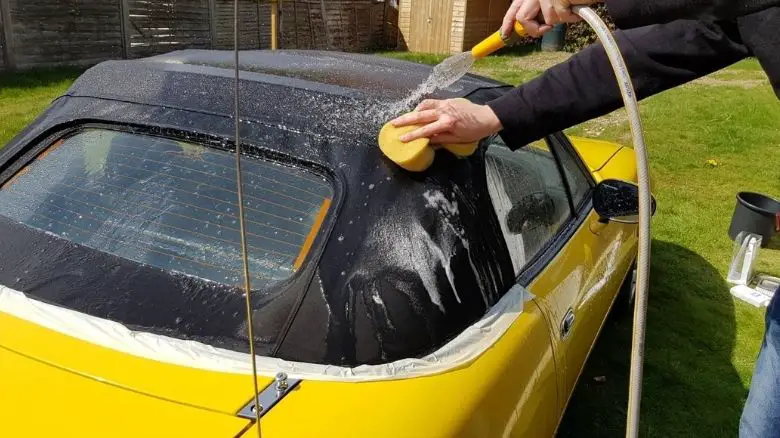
{"x":757,"y":214}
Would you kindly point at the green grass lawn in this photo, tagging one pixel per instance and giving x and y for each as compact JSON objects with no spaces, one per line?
{"x":24,"y":96}
{"x":701,"y":344}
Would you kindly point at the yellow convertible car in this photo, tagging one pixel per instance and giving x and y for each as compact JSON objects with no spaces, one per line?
{"x":458,"y":302}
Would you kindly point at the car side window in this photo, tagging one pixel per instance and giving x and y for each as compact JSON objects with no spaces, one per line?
{"x":579,"y":181}
{"x":529,"y":197}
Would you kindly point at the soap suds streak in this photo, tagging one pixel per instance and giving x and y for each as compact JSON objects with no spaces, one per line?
{"x":436,"y":199}
{"x":448,"y":211}
{"x":605,"y":268}
{"x":446,"y":263}
{"x":377,"y":299}
{"x":417,"y":266}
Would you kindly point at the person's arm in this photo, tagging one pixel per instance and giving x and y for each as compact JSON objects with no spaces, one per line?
{"x":634,"y":13}
{"x":658,"y":57}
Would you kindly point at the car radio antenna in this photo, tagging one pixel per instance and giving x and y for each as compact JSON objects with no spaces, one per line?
{"x":242,"y":224}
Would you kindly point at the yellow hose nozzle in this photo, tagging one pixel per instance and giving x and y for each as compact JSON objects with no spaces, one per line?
{"x":497,"y":41}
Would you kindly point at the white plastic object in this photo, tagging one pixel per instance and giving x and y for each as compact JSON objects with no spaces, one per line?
{"x":750,"y":295}
{"x":746,"y":247}
{"x":767,"y":285}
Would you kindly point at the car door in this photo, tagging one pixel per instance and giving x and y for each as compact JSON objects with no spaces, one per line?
{"x":541,"y":194}
{"x":534,"y":209}
{"x":602,"y":259}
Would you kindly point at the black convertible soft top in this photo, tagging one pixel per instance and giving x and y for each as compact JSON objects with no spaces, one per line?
{"x":402,"y":264}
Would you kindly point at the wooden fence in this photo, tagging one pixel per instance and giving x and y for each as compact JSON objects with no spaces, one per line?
{"x":344,"y":25}
{"x":54,"y":32}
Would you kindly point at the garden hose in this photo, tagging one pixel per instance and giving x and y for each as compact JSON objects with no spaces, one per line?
{"x":645,"y":213}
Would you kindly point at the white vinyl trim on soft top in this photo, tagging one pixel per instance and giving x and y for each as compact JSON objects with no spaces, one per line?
{"x":462,"y":350}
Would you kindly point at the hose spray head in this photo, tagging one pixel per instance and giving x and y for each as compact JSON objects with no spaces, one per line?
{"x":498,"y":41}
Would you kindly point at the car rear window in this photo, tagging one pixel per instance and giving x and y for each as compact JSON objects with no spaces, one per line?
{"x":171,"y":204}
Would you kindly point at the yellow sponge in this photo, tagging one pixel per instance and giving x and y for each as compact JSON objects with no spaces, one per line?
{"x":461,"y":150}
{"x":417,"y":155}
{"x":414,"y":156}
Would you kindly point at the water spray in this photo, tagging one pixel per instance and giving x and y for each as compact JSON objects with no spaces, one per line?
{"x":420,"y":156}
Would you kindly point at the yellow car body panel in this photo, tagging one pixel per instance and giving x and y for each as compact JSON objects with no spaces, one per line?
{"x":506,"y":392}
{"x":512,"y":387}
{"x":220,"y":392}
{"x":57,"y":385}
{"x":41,"y":400}
{"x":607,"y":160}
{"x":595,"y":153}
{"x":583,"y":280}
{"x":621,"y":167}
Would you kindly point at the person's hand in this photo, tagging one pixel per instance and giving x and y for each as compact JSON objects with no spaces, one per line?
{"x":451,"y":121}
{"x":554,"y":12}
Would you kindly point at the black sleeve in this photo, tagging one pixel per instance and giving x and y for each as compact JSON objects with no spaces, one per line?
{"x":658,"y":57}
{"x":634,"y":13}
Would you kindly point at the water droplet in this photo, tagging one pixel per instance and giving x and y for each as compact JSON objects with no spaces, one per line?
{"x":343,"y":273}
{"x":371,"y":187}
{"x":341,"y":238}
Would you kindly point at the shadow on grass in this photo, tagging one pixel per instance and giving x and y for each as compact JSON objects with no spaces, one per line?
{"x":774,"y":242}
{"x":690,"y":385}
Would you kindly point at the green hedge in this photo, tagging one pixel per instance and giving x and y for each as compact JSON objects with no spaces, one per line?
{"x":580,"y":35}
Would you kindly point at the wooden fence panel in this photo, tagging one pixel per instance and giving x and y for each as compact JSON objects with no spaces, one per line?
{"x":302,"y":25}
{"x":3,"y":47}
{"x":347,"y":25}
{"x":50,"y":32}
{"x":158,"y":27}
{"x":254,"y":25}
{"x":295,"y":14}
{"x":65,"y":31}
{"x":384,"y":22}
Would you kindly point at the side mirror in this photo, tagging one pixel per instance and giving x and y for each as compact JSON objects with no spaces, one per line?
{"x":618,"y":201}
